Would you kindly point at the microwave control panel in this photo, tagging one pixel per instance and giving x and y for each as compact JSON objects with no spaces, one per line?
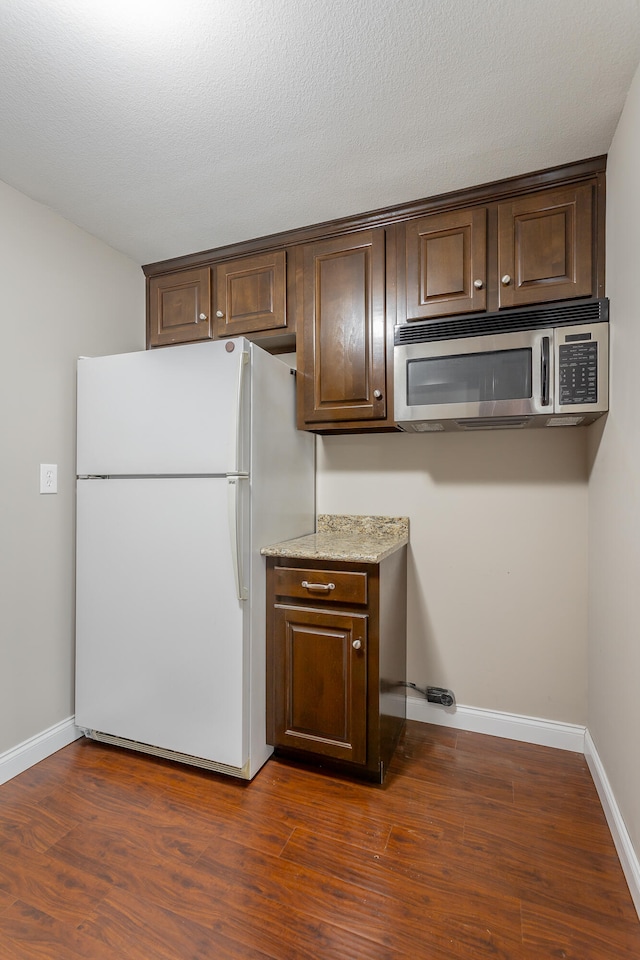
{"x":578,"y":370}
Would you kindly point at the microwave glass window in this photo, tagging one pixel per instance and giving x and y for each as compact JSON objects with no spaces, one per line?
{"x":470,"y":378}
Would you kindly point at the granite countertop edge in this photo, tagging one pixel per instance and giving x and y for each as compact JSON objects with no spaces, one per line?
{"x":362,"y":539}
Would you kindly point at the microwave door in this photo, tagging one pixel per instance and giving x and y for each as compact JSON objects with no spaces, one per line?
{"x":504,"y":375}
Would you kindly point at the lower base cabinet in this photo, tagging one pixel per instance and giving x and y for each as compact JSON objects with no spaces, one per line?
{"x":336,"y":661}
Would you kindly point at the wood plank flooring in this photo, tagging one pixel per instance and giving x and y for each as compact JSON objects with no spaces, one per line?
{"x":474,"y":848}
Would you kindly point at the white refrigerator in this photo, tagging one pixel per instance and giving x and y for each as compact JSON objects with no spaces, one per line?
{"x":188,"y":462}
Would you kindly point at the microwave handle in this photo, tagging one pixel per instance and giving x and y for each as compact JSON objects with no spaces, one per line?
{"x":544,"y":371}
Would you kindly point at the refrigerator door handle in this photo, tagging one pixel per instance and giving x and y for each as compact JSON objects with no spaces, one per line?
{"x":235,"y":534}
{"x":244,"y":360}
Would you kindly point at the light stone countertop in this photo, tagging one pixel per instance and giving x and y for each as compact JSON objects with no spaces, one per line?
{"x":352,"y":538}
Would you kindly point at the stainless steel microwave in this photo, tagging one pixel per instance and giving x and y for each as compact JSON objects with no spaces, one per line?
{"x":532,"y":368}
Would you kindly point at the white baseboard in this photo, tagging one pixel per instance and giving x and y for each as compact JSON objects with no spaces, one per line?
{"x":547,"y":733}
{"x":26,"y":754}
{"x":627,"y":855}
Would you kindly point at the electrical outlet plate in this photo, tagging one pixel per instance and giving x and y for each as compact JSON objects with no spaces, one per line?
{"x":48,"y":478}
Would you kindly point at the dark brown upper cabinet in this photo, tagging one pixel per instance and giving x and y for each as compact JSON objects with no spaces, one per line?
{"x":545,"y":245}
{"x":179,"y":307}
{"x":250,"y":295}
{"x":341,"y":323}
{"x":334,"y":291}
{"x":446,"y":263}
{"x":541,"y":246}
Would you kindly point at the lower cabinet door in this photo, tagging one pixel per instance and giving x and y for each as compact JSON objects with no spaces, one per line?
{"x":321,"y":686}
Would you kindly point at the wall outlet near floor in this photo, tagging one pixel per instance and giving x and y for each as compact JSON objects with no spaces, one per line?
{"x":48,"y":478}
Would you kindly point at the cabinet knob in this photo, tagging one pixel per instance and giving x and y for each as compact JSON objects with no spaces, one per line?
{"x":219,"y":313}
{"x":377,"y":394}
{"x":357,"y":644}
{"x":506,"y":280}
{"x":201,"y":316}
{"x":478,"y":284}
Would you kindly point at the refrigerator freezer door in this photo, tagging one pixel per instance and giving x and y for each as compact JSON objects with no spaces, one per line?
{"x":164,"y":412}
{"x":160,"y":645}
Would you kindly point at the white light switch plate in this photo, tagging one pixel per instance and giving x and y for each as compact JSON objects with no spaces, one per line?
{"x":48,"y":478}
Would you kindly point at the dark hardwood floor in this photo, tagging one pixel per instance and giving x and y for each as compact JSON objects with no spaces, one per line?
{"x":474,"y":848}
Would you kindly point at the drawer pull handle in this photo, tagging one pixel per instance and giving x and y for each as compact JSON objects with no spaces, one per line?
{"x":357,"y":644}
{"x":320,"y":587}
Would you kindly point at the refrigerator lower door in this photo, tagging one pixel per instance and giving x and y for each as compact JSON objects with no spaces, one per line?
{"x":160,"y":647}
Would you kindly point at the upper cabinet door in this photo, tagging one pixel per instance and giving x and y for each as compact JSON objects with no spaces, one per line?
{"x":446,"y":264}
{"x":179,"y":307}
{"x":340,"y":295}
{"x":545,"y":246}
{"x":250,"y":294}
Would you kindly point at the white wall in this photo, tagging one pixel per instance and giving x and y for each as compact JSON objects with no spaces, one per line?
{"x":497,"y":592}
{"x":64,"y":294}
{"x":614,"y":492}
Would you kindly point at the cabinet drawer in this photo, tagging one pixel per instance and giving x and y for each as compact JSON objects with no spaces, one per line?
{"x":333,"y":586}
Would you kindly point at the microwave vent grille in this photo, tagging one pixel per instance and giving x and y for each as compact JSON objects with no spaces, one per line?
{"x":426,"y":426}
{"x":525,"y":318}
{"x":493,"y":423}
{"x":567,"y":421}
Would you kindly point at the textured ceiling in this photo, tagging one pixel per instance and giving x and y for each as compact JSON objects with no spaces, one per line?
{"x":165,"y":127}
